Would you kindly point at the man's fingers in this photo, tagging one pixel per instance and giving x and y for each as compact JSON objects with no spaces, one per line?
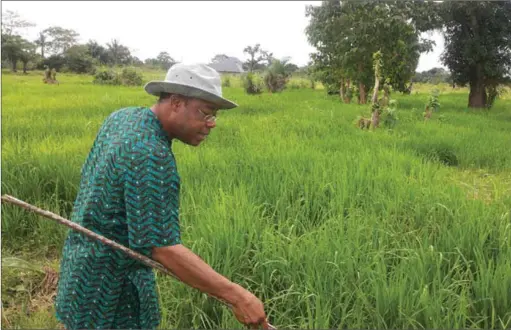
{"x":261,"y":322}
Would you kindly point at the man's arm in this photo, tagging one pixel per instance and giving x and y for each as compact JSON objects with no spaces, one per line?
{"x":192,"y":270}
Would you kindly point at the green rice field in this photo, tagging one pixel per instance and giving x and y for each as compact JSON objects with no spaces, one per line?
{"x":330,"y":225}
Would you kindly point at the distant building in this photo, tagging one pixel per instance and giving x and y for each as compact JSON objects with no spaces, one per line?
{"x":229,"y":65}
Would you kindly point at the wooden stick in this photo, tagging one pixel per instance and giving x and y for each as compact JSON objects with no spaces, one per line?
{"x":137,"y":256}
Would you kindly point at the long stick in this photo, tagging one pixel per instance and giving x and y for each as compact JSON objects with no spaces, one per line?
{"x":137,"y":256}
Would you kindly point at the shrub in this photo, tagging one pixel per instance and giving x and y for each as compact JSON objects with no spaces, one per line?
{"x":251,"y":84}
{"x":299,"y":84}
{"x":226,"y":81}
{"x":433,"y":105}
{"x":276,"y":76}
{"x":389,"y":115}
{"x":130,"y":77}
{"x":106,"y":77}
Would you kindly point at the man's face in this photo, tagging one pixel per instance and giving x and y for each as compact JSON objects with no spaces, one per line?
{"x":194,"y":120}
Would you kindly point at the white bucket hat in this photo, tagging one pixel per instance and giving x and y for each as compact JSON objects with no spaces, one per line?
{"x":193,"y":80}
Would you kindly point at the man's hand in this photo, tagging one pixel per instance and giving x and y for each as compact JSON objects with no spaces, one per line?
{"x":192,"y":270}
{"x":249,"y":310}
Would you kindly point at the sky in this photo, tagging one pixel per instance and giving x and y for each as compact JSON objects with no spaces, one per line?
{"x":190,"y":31}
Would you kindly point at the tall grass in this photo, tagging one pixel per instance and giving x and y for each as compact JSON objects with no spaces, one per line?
{"x":333,"y":227}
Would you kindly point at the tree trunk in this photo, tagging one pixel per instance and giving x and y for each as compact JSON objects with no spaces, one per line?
{"x":362,"y":99}
{"x":14,"y":62}
{"x":375,"y":91}
{"x":477,"y":96}
{"x":25,"y":67}
{"x":347,"y":97}
{"x":341,"y":89}
{"x":375,"y":119}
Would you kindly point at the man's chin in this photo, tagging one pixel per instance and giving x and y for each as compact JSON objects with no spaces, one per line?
{"x":193,"y":143}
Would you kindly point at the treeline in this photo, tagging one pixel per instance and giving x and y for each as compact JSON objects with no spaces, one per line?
{"x":349,"y":34}
{"x":433,"y":76}
{"x":58,"y":47}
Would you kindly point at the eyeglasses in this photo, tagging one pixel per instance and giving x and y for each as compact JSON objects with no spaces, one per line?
{"x":208,"y":118}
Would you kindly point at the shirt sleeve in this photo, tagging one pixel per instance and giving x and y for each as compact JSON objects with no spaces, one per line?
{"x":151,"y":193}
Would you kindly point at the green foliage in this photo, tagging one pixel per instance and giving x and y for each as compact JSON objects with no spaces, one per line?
{"x":257,"y":55}
{"x":346,"y":34}
{"x":477,"y":46}
{"x":300,"y":84}
{"x":78,"y":60}
{"x":98,"y":52}
{"x":54,"y":61}
{"x":433,"y":102}
{"x":276,"y":76}
{"x":59,"y":39}
{"x":127,"y":77}
{"x":433,"y":76}
{"x":226,"y":81}
{"x":106,"y":77}
{"x":252,"y":83}
{"x":331,"y":227}
{"x":131,"y":77}
{"x":15,"y":48}
{"x":118,"y":53}
{"x":389,"y":115}
{"x":494,"y":92}
{"x":165,"y":60}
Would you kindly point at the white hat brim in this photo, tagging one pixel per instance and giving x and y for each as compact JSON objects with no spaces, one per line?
{"x":157,"y":87}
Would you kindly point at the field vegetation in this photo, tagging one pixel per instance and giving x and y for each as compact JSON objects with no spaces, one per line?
{"x":352,"y":192}
{"x":333,"y":226}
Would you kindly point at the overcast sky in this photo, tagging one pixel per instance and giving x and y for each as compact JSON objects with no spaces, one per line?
{"x":190,"y":31}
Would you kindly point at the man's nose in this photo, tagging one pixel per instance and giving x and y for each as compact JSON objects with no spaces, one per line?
{"x":211,"y":124}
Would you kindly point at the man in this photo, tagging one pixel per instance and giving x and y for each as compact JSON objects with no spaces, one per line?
{"x":129,"y":192}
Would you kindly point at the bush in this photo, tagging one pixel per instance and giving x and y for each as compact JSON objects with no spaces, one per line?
{"x":276,"y":77}
{"x":78,"y":60}
{"x":299,"y":84}
{"x":251,"y":84}
{"x":106,"y":77}
{"x":226,"y":81}
{"x":128,"y":77}
{"x":389,"y":116}
{"x":433,"y":105}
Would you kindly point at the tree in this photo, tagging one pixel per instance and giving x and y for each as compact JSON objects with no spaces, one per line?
{"x":119,"y":54}
{"x":60,"y":39}
{"x":12,"y":22}
{"x":15,"y":48}
{"x":165,"y":60}
{"x":346,"y":35}
{"x":41,"y":42}
{"x":98,"y":52}
{"x":257,"y":55}
{"x":477,"y":46}
{"x":219,"y":58}
{"x":78,"y":59}
{"x":27,"y":54}
{"x":433,"y":76}
{"x":136,"y":61}
{"x":277,"y":75}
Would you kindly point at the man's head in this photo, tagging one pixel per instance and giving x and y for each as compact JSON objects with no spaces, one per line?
{"x":184,"y":118}
{"x":189,"y":98}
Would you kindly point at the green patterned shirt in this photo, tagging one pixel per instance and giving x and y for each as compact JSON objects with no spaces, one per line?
{"x":129,"y":193}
